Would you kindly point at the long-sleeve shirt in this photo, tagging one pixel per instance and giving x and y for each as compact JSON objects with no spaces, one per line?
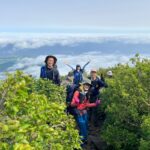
{"x":81,"y":106}
{"x":50,"y":74}
{"x":78,"y":75}
{"x":96,"y":85}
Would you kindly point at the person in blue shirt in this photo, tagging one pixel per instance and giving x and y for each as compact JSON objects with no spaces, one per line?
{"x":78,"y":73}
{"x":49,"y":70}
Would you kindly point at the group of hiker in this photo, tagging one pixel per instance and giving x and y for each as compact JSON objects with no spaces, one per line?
{"x":82,"y":93}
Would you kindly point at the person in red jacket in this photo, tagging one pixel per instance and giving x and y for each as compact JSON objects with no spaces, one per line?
{"x":81,"y":102}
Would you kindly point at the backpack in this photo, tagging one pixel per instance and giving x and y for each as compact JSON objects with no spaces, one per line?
{"x":70,"y":90}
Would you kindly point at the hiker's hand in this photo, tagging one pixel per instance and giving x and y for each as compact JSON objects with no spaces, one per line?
{"x":98,"y":102}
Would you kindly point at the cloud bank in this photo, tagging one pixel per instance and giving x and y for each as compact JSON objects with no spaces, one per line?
{"x":32,"y":65}
{"x":26,"y":41}
{"x":102,"y":55}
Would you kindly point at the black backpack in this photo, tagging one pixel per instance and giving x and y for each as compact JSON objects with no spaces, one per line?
{"x":70,"y":90}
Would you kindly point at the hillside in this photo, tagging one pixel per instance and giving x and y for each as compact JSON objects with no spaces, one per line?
{"x":32,"y":115}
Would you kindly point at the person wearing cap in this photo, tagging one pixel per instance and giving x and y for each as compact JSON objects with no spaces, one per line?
{"x":109,"y":74}
{"x":50,"y":71}
{"x":97,"y":83}
{"x":78,"y":73}
{"x":81,"y":102}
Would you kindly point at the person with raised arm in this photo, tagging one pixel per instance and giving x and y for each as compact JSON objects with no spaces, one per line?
{"x":78,"y":73}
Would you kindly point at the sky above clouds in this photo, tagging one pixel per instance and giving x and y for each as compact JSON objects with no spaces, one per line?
{"x":32,"y":15}
{"x":107,"y":31}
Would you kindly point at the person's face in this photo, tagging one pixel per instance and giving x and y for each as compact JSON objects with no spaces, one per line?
{"x":93,"y":74}
{"x":86,"y":87}
{"x":50,"y":62}
{"x":78,"y":68}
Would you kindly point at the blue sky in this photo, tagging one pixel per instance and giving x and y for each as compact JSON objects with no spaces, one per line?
{"x":69,"y":15}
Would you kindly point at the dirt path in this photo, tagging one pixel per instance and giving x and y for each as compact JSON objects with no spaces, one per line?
{"x":94,"y":140}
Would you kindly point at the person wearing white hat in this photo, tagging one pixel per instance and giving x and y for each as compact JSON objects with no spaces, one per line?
{"x":109,"y":73}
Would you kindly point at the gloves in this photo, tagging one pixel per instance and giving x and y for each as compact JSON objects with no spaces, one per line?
{"x":98,"y":102}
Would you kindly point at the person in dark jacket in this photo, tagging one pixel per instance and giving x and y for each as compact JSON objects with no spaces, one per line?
{"x":97,"y":83}
{"x":50,"y":71}
{"x":78,"y":73}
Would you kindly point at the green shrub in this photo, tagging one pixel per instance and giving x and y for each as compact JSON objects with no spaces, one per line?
{"x":125,"y":102}
{"x":32,"y":116}
{"x":145,"y":139}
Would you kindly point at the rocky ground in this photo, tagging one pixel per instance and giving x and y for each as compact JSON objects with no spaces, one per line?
{"x":94,"y":140}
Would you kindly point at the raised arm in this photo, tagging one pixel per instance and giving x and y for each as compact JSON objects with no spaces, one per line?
{"x":85,"y":65}
{"x":70,"y":67}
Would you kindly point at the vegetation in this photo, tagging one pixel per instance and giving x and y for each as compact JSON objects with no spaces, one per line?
{"x":32,"y":113}
{"x":32,"y":116}
{"x":126,"y":104}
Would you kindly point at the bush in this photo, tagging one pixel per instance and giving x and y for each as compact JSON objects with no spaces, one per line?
{"x":127,"y":106}
{"x":32,"y":116}
{"x":145,"y":139}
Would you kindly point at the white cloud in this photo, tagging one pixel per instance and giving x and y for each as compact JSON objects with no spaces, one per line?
{"x":35,"y":40}
{"x":32,"y":65}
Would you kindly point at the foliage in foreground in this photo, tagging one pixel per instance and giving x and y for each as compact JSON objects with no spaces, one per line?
{"x":32,"y":116}
{"x":127,"y":106}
